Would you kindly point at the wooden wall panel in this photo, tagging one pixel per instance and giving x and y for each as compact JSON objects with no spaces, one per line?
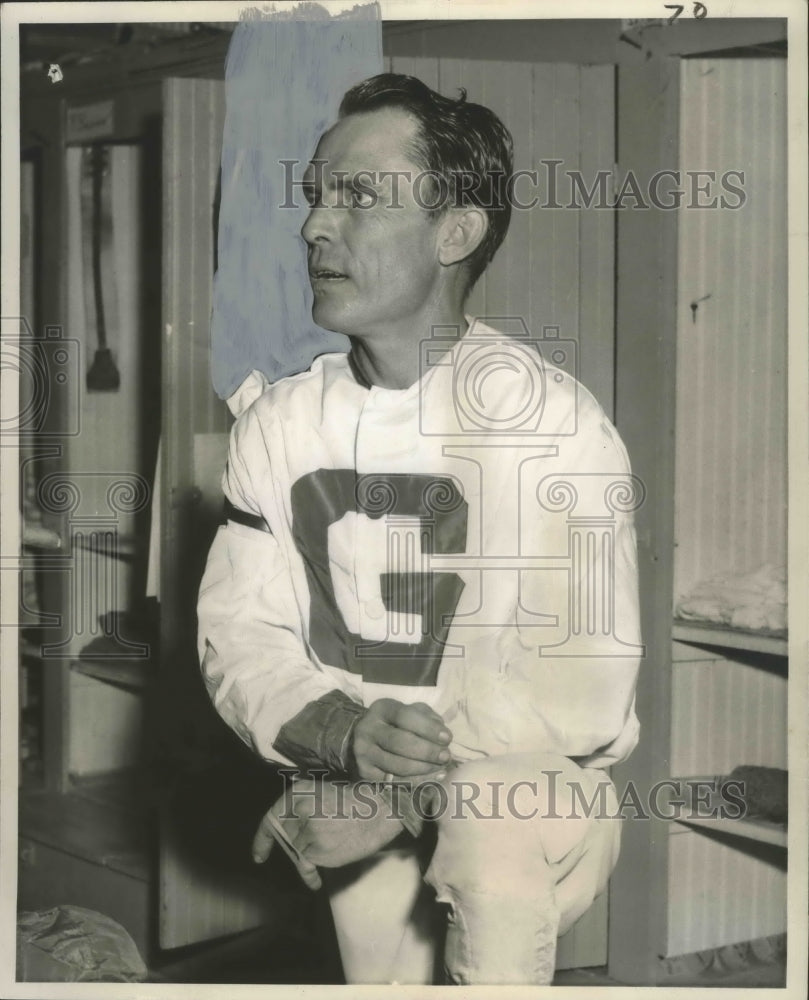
{"x":730,"y":488}
{"x":645,"y":310}
{"x":425,"y":68}
{"x":510,"y":93}
{"x":731,"y":374}
{"x":557,"y":265}
{"x":197,"y":900}
{"x":596,"y":235}
{"x":725,"y":713}
{"x":720,"y":895}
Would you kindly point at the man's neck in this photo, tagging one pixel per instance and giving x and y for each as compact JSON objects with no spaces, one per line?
{"x":397,"y":362}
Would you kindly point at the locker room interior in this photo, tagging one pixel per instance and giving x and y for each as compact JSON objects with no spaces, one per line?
{"x":135,"y":801}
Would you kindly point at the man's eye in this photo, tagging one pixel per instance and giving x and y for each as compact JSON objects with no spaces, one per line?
{"x":310,"y":194}
{"x":362,"y":198}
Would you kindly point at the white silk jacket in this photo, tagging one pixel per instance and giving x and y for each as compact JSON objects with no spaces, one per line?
{"x":466,"y":542}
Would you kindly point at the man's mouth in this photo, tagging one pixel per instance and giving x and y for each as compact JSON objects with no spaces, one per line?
{"x":325,"y":274}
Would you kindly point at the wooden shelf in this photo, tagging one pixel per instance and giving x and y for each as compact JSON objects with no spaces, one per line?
{"x":131,"y":674}
{"x":707,"y":815}
{"x":96,"y":820}
{"x":709,"y":634}
{"x":126,"y":547}
{"x":30,"y":650}
{"x":762,"y":830}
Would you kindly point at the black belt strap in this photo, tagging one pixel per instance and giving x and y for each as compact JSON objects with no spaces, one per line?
{"x":232,"y":513}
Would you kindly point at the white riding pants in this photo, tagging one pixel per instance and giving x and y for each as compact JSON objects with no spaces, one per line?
{"x":525,"y":842}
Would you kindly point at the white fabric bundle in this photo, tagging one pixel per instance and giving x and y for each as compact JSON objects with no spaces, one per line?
{"x":756,"y":600}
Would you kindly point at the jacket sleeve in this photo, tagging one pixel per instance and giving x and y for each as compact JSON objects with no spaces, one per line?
{"x":567,"y":667}
{"x":588,"y":670}
{"x":251,"y":646}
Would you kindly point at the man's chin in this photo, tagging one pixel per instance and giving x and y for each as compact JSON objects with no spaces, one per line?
{"x":330,"y":319}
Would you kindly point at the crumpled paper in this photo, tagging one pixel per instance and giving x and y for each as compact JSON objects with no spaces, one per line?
{"x":71,"y":944}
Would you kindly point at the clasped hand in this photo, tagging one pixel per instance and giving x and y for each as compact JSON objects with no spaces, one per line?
{"x":331,"y":824}
{"x":399,"y":740}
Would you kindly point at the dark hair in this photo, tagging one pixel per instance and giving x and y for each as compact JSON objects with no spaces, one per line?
{"x":463,"y":144}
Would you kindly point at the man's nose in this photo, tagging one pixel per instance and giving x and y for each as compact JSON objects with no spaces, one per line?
{"x":319,"y":224}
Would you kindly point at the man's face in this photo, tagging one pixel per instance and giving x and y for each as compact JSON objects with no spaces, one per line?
{"x":373,"y":267}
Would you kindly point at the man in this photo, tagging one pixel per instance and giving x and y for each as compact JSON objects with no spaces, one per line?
{"x":425,"y":576}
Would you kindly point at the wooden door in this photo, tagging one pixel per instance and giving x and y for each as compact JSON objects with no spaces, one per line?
{"x":218,"y":789}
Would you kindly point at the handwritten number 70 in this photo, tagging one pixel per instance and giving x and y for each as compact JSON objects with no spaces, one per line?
{"x":699,"y":11}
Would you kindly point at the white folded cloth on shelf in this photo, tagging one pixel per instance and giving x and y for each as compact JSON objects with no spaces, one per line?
{"x":756,"y":600}
{"x":39,"y":536}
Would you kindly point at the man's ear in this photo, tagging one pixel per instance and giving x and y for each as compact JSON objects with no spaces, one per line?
{"x":462,"y":231}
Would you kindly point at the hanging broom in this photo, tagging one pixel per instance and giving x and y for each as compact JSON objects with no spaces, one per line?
{"x":103,"y":375}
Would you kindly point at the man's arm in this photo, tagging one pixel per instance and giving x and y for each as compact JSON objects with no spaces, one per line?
{"x":587,"y":683}
{"x":254,"y":661}
{"x":254,"y":658}
{"x":568,"y":687}
{"x":251,"y":646}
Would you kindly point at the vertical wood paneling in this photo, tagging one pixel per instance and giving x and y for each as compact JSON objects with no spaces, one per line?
{"x":542,"y":147}
{"x":178,"y":185}
{"x":648,"y":125}
{"x":425,"y":68}
{"x":731,"y":376}
{"x":111,"y":443}
{"x":718,"y":895}
{"x":730,"y":493}
{"x":726,"y":713}
{"x":555,"y":231}
{"x":506,"y":89}
{"x":196,"y":903}
{"x":556,"y":266}
{"x":564,"y":232}
{"x":516,"y":96}
{"x":596,"y":236}
{"x":470,"y":74}
{"x":585,"y":944}
{"x":454,"y":74}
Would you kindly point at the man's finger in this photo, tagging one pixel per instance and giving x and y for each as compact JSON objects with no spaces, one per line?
{"x":429,"y":725}
{"x":424,"y":709}
{"x":402,"y":767}
{"x":402,"y":743}
{"x":272,"y":830}
{"x":309,"y":873}
{"x":263,"y":841}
